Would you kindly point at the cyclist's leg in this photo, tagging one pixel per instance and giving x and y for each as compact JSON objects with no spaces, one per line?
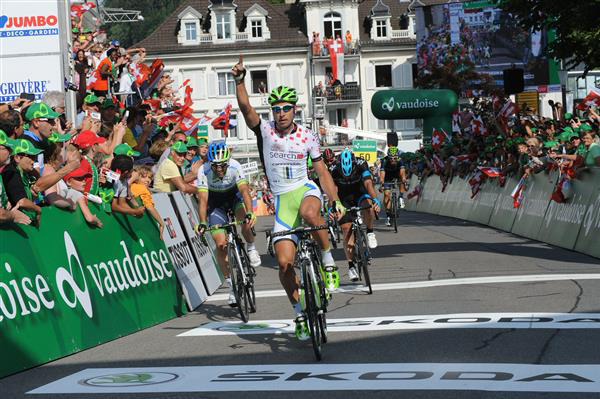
{"x":285,"y":252}
{"x":387,"y":197}
{"x":240,"y":214}
{"x":368,"y":217}
{"x":219,"y":216}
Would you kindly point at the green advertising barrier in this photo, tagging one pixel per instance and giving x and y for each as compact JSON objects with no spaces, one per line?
{"x":434,"y":106}
{"x":562,"y":222}
{"x":504,"y":213}
{"x":588,"y":240}
{"x":535,"y":203}
{"x":65,"y":286}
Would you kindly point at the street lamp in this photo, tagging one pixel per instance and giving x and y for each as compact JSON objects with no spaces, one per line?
{"x":563,"y":75}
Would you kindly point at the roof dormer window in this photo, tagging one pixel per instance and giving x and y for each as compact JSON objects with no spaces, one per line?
{"x":381,"y":31}
{"x":380,"y":15}
{"x":189,"y":27}
{"x":223,"y":26}
{"x":256,"y":23}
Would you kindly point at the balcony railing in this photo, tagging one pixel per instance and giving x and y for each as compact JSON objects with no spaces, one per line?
{"x":347,"y":92}
{"x":399,"y":34}
{"x":205,"y":38}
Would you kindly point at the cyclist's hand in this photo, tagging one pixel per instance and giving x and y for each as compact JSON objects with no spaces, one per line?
{"x":200,"y":229}
{"x":376,"y":205}
{"x":239,"y":71}
{"x":339,"y":209}
{"x":251,"y":219}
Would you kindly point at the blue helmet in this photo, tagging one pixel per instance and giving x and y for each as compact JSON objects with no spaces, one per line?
{"x":218,"y":152}
{"x":347,"y":162}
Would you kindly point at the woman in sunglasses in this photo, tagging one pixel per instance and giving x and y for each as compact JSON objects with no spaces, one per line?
{"x":284,"y":148}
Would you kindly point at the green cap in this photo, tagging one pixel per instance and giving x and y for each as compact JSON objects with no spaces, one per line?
{"x":108,"y":103}
{"x":202,"y":141}
{"x":499,"y":137}
{"x":5,"y":141}
{"x":568,"y":129}
{"x":125,"y":149}
{"x":40,"y":110}
{"x":23,"y":146}
{"x":179,"y":147}
{"x":585,"y":128}
{"x":59,"y":138}
{"x":534,"y":129}
{"x":519,"y":140}
{"x":573,"y":135}
{"x":91,"y":99}
{"x":490,"y":148}
{"x":568,"y":115}
{"x":550,"y":144}
{"x":191,"y":142}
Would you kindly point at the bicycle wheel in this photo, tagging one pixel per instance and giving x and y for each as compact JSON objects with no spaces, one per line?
{"x":331,"y":232}
{"x":395,"y":211}
{"x":250,"y":273}
{"x":270,"y":244}
{"x":237,"y":282}
{"x":363,"y":247}
{"x":311,"y":309}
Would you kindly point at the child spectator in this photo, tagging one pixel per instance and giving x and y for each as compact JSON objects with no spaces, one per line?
{"x":140,"y":191}
{"x":123,"y":166}
{"x":76,"y":189}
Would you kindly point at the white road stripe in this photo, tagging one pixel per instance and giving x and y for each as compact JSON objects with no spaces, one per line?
{"x":437,"y":283}
{"x":411,"y":322}
{"x":333,"y":377}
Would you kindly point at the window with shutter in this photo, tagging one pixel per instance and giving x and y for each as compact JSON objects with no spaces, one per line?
{"x":370,"y":76}
{"x":407,"y":79}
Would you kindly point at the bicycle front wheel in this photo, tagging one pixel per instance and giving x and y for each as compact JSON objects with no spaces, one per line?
{"x":363,"y":247}
{"x":312,"y":311}
{"x":237,"y":282}
{"x":395,"y":211}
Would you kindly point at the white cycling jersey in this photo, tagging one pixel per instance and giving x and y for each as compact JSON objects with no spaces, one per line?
{"x":285,"y":156}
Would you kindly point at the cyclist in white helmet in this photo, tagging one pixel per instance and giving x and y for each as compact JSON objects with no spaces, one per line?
{"x":222,"y":186}
{"x":284,"y":147}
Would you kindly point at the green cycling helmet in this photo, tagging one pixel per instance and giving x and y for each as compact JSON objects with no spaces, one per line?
{"x":393,"y":151}
{"x":283,"y":94}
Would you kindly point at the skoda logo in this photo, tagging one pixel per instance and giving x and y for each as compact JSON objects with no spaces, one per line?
{"x":250,"y":327}
{"x":130,"y":379}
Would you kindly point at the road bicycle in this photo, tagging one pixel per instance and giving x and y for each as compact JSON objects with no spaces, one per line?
{"x":361,"y":254}
{"x":394,"y":202}
{"x":316,"y":297}
{"x":241,"y":272}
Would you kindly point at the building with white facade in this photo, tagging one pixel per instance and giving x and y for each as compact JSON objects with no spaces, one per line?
{"x":203,"y":39}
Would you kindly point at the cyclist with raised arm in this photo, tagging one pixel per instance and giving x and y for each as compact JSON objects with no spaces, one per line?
{"x":222,"y":186}
{"x":284,"y":147}
{"x":355,"y":187}
{"x":392,"y":169}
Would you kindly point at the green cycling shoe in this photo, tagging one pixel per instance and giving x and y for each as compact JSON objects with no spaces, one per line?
{"x":302,"y":331}
{"x":332,"y":278}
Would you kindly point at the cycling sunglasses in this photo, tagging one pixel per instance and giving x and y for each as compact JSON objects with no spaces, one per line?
{"x":220,"y":165}
{"x":286,"y":108}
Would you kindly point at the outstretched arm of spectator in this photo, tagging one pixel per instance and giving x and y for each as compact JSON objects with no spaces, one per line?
{"x":120,"y":205}
{"x":25,"y":203}
{"x":47,"y":181}
{"x":87,"y":214}
{"x":193,"y":173}
{"x":182,"y":185}
{"x":156,"y":216}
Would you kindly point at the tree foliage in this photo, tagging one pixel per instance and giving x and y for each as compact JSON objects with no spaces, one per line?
{"x":576,"y":24}
{"x":153,"y":11}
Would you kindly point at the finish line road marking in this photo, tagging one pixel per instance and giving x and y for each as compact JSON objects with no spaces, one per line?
{"x":332,"y":377}
{"x":436,"y":283}
{"x":421,"y":322}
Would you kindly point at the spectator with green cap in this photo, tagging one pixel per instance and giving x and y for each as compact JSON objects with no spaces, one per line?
{"x":8,"y":214}
{"x":19,"y":176}
{"x":168,"y":178}
{"x":592,"y":149}
{"x":6,"y":146}
{"x":190,"y":168}
{"x":91,"y":103}
{"x":42,"y":122}
{"x":126,"y":149}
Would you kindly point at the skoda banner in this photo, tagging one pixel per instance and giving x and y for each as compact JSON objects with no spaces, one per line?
{"x":188,"y":214}
{"x":181,"y":253}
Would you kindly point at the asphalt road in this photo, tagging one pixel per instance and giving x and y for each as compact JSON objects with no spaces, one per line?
{"x":519,"y":332}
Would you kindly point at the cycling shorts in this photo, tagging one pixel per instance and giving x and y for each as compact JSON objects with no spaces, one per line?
{"x":218,"y":215}
{"x":287,"y":209}
{"x":349,"y":202}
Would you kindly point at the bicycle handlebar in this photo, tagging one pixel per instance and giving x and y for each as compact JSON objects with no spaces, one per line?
{"x":298,"y":230}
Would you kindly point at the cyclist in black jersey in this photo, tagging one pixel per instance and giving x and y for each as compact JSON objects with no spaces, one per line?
{"x":354,"y":183}
{"x":392,"y":169}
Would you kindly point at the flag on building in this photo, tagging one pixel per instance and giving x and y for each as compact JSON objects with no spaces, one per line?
{"x":336,"y":55}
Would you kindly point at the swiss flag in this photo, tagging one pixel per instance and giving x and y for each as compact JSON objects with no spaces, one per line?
{"x":336,"y":55}
{"x":592,"y":99}
{"x":477,"y":127}
{"x":437,"y":139}
{"x":490,"y":172}
{"x":223,"y":121}
{"x":508,"y":110}
{"x":518,"y":193}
